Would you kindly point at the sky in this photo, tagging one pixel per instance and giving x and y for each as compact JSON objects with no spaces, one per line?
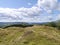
{"x":29,"y":10}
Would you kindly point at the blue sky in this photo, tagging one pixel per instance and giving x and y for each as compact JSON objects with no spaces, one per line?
{"x":29,"y":10}
{"x":16,"y":3}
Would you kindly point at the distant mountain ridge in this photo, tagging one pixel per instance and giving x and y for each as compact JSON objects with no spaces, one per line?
{"x":3,"y":24}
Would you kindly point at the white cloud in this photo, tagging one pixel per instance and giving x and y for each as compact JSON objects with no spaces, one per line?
{"x":29,"y":3}
{"x":29,"y":14}
{"x":58,"y":16}
{"x":58,"y":6}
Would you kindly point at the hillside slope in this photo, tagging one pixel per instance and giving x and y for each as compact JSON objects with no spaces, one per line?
{"x":36,"y":35}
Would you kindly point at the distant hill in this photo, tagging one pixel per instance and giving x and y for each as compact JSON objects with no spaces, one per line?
{"x":55,"y":24}
{"x":21,"y":24}
{"x":4,"y":24}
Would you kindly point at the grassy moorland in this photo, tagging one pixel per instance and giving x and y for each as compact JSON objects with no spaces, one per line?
{"x":35,"y":35}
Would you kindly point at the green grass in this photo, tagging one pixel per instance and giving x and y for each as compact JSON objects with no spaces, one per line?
{"x":36,"y":35}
